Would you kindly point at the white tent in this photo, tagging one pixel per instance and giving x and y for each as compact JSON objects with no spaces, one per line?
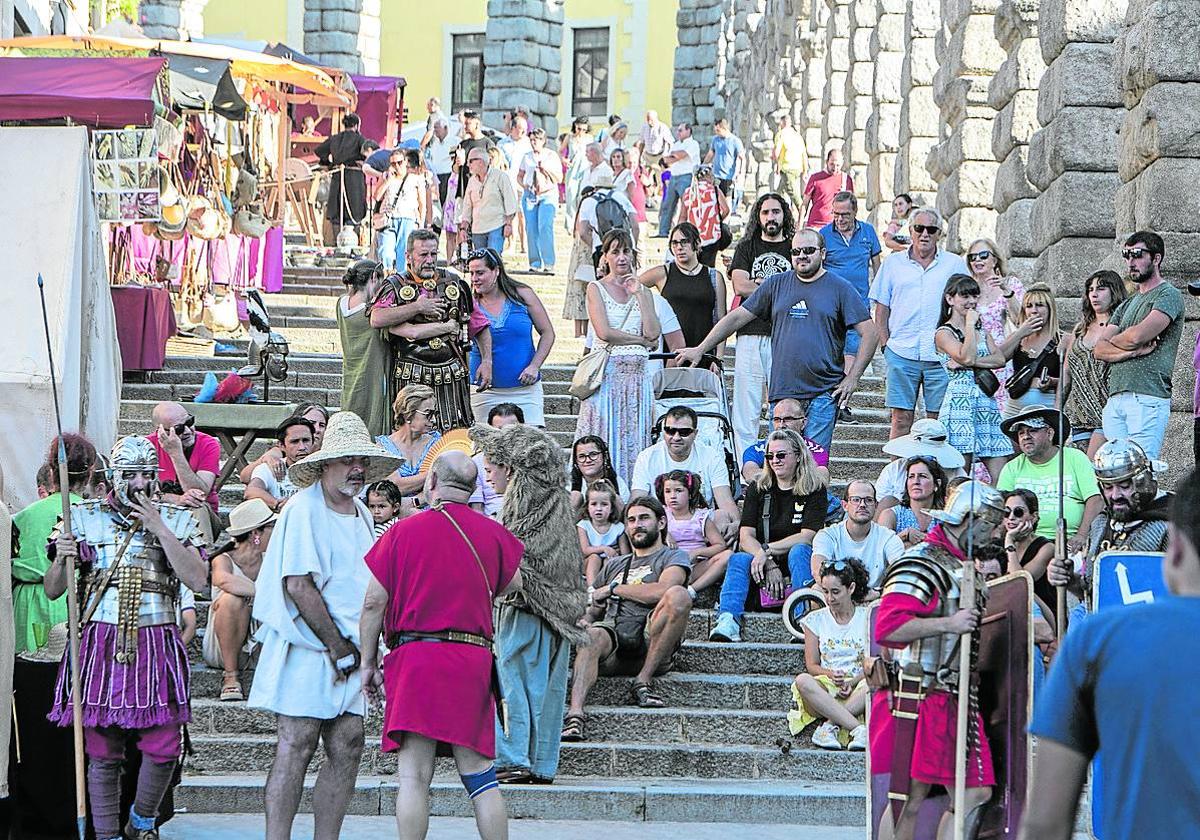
{"x":48,"y":225}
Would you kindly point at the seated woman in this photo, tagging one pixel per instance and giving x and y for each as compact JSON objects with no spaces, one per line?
{"x":234,"y":572}
{"x":835,"y":642}
{"x":1026,"y":550}
{"x":781,"y":514}
{"x":591,"y":461}
{"x":415,"y":410}
{"x":924,"y":490}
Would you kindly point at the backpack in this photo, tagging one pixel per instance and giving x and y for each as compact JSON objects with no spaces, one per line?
{"x":610,"y":215}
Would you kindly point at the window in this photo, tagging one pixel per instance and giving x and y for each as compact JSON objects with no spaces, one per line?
{"x":467,"y":91}
{"x":589,"y":97}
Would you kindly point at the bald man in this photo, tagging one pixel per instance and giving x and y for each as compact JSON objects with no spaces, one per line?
{"x":188,"y":460}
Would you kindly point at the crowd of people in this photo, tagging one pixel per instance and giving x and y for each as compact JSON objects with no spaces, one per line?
{"x":602,"y":551}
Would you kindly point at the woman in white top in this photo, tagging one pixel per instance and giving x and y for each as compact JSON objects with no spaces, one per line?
{"x":624,"y":183}
{"x":401,"y":199}
{"x":622,"y":313}
{"x":835,"y":644}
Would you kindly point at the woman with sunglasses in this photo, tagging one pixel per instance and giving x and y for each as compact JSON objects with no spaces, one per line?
{"x":1000,"y":298}
{"x":590,"y":462}
{"x":832,"y":686}
{"x":399,"y":209}
{"x":1085,"y":383}
{"x":781,"y":514}
{"x":924,"y":490}
{"x":513,"y":312}
{"x":1024,"y":547}
{"x":415,"y":409}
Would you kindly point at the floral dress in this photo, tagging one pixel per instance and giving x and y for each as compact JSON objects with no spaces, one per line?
{"x":971,"y":416}
{"x":995,"y":317}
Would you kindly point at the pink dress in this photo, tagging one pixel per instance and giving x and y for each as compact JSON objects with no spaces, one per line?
{"x":993,"y":318}
{"x":442,"y":690}
{"x":689,"y":533}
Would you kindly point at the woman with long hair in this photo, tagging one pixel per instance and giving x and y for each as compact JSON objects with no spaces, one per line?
{"x":415,"y":432}
{"x":591,"y":462}
{"x":972,"y":417}
{"x":365,"y":352}
{"x":896,"y":236}
{"x":1037,"y":351}
{"x":696,"y":293}
{"x":925,"y":488}
{"x":1000,"y":298}
{"x":623,"y":317}
{"x":1085,"y":378}
{"x":514,"y":312}
{"x":784,"y":508}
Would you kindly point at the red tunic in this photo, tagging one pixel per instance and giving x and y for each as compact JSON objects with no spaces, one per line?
{"x":442,"y":690}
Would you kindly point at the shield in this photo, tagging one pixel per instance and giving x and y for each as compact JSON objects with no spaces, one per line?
{"x":1006,"y":703}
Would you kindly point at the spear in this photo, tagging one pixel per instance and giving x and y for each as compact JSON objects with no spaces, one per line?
{"x":1060,"y":527}
{"x":961,"y":741}
{"x":64,"y":489}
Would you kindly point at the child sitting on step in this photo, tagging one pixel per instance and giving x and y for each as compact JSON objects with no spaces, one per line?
{"x":601,"y":534}
{"x":691,"y":528}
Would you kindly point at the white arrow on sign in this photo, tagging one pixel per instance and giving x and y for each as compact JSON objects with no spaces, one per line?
{"x":1127,"y":597}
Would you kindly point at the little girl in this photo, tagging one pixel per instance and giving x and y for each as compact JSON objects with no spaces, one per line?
{"x":386,"y":505}
{"x":691,"y":528}
{"x":601,"y":535}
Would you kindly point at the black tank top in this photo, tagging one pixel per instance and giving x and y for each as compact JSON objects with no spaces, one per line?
{"x":694,"y":300}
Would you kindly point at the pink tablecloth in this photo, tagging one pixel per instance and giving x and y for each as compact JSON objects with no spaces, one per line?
{"x":145,"y":320}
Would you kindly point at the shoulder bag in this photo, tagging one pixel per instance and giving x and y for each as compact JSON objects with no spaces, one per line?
{"x":381,"y":219}
{"x":765,"y":598}
{"x":589,"y":373}
{"x":985,"y":379}
{"x":1022,"y":379}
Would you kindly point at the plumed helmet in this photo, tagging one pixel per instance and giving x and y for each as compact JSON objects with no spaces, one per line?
{"x":133,"y":452}
{"x":971,"y":498}
{"x":1121,"y":460}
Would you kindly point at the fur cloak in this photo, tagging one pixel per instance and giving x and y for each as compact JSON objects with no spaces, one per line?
{"x":537,"y":509}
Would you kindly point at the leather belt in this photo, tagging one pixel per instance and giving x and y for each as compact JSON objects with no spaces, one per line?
{"x":394,"y":640}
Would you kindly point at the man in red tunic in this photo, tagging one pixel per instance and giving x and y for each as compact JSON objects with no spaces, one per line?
{"x":435,"y":577}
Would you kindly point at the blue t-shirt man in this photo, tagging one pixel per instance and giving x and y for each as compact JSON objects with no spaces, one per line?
{"x":1119,"y":681}
{"x":849,"y":257}
{"x":725,"y":150}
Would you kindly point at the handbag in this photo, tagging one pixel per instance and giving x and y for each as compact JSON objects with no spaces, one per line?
{"x":589,"y":373}
{"x":630,"y":628}
{"x":765,"y":598}
{"x":1022,"y":379}
{"x":987,"y":382}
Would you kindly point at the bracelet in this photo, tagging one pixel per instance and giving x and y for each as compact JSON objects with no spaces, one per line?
{"x":1010,"y":548}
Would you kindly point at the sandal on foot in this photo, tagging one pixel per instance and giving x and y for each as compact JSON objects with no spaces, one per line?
{"x":573,"y":728}
{"x":231,"y":687}
{"x":645,"y":697}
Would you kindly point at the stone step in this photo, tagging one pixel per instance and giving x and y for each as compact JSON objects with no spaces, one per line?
{"x":734,"y":801}
{"x":254,"y":753}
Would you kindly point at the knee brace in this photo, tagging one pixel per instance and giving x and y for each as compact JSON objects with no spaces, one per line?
{"x":481,"y":782}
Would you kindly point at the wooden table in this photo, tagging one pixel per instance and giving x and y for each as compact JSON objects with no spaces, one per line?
{"x":237,"y":426}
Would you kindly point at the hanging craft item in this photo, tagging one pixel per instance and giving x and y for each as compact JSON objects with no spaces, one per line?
{"x":125,"y":175}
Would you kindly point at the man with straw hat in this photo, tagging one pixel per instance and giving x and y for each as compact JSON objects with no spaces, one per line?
{"x":309,"y":598}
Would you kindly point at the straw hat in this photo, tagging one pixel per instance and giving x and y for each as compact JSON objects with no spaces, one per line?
{"x":346,"y":436}
{"x":250,"y":514}
{"x":1037,"y":417}
{"x":927,"y":438}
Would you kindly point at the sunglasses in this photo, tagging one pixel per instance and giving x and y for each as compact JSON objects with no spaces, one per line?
{"x":1134,"y":253}
{"x":777,"y":456}
{"x":484,"y":254}
{"x":806,"y":251}
{"x":834,"y":566}
{"x":680,"y":431}
{"x":932,"y":230}
{"x":1017,"y":511}
{"x":180,"y":428}
{"x":979,"y":255}
{"x":429,"y":413}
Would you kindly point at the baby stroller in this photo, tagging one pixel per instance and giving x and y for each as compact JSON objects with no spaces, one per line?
{"x":702,"y":389}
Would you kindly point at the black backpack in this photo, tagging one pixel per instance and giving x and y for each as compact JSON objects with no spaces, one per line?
{"x":610,"y":215}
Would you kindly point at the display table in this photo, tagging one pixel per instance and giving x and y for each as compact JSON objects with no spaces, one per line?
{"x":145,"y":320}
{"x":237,"y":426}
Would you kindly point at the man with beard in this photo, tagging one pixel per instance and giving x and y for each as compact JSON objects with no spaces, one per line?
{"x":765,"y":249}
{"x":921,"y":614}
{"x":811,"y":311}
{"x":1134,"y":517}
{"x":309,"y":598}
{"x":1139,"y":343}
{"x":638,"y":616}
{"x":428,"y":346}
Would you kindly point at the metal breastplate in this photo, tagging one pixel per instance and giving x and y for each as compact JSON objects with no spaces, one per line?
{"x":437,"y":351}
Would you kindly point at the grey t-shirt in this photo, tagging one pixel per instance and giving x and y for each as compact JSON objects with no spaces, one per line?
{"x":1149,"y":374}
{"x":809,"y":322}
{"x":643,"y":570}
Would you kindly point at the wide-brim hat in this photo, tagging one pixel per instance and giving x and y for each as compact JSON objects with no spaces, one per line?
{"x":929,"y":439}
{"x":1048,"y":416}
{"x":346,"y":436}
{"x":250,"y":514}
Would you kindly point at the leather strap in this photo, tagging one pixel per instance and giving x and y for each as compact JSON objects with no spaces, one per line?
{"x":104,"y":582}
{"x":487,"y":584}
{"x":906,"y":703}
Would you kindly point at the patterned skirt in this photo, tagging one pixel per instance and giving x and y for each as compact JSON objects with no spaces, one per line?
{"x":621,"y":412}
{"x":972,"y":418}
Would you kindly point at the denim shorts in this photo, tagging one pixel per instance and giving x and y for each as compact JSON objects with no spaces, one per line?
{"x":905,"y":376}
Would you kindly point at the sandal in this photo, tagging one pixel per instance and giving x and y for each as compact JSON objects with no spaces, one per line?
{"x":645,"y":697}
{"x":513,"y":776}
{"x":231,"y":688}
{"x":573,"y":728}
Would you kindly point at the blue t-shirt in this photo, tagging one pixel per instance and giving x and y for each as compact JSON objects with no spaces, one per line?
{"x":850,"y":257}
{"x":1126,"y":679}
{"x":512,"y":344}
{"x":380,"y":159}
{"x":809,"y":322}
{"x":725,"y":154}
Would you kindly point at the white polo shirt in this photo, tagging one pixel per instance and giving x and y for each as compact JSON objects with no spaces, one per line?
{"x":687,"y":164}
{"x":914,"y":296}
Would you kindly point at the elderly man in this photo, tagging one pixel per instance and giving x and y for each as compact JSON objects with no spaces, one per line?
{"x":439,"y":152}
{"x":295,"y":436}
{"x":133,"y":660}
{"x":653,"y":141}
{"x":471,"y":137}
{"x":908,"y":297}
{"x":188,"y":460}
{"x":638,"y":615}
{"x":309,"y":597}
{"x":434,"y":578}
{"x":488,"y":208}
{"x":680,"y":160}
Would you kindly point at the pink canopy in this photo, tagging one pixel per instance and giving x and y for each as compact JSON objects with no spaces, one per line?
{"x":380,"y":103}
{"x":97,"y":92}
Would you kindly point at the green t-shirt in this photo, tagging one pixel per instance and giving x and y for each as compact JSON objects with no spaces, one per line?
{"x":1149,"y":374}
{"x":1079,"y":485}
{"x":33,"y":613}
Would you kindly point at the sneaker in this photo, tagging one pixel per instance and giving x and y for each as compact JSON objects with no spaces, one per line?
{"x":844,"y":416}
{"x":858,"y":738}
{"x":826,"y":737}
{"x":727,"y":629}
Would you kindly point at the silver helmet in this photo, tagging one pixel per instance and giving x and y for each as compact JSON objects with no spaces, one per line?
{"x":974,"y":501}
{"x":1120,"y":460}
{"x":131,"y":454}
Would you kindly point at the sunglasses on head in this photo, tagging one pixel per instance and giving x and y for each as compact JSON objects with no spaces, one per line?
{"x":180,"y":428}
{"x":681,"y":431}
{"x":1134,"y":253}
{"x":485,"y":254}
{"x":932,"y":230}
{"x":834,"y":566}
{"x":806,"y":251}
{"x":1015,"y":511}
{"x":979,"y":255}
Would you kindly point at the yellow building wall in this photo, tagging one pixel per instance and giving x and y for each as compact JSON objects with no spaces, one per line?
{"x":251,"y":20}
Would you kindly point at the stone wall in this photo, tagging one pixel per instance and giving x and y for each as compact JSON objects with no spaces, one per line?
{"x":172,"y":19}
{"x":860,"y":80}
{"x":524,"y":61}
{"x":837,"y":67}
{"x":811,"y":120}
{"x":883,"y":124}
{"x":706,"y":42}
{"x":343,"y":33}
{"x":918,"y":112}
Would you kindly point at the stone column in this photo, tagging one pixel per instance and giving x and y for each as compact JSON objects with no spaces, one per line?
{"x":918,"y":112}
{"x":837,"y":67}
{"x":343,"y":33}
{"x":860,"y":80}
{"x":883,"y":125}
{"x":523,"y":60}
{"x":175,"y":20}
{"x":962,"y":162}
{"x":1159,"y":166}
{"x":811,"y":120}
{"x":1073,"y":157}
{"x":700,"y":64}
{"x":1013,"y":94}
